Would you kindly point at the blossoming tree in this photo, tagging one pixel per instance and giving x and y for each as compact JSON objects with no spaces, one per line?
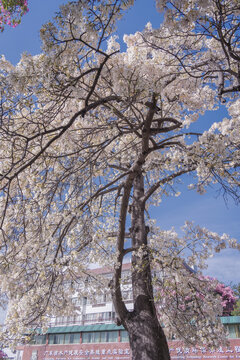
{"x":91,"y":137}
{"x":211,"y":37}
{"x":236,"y":310}
{"x":11,"y":12}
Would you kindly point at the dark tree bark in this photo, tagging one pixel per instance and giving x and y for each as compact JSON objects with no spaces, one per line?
{"x":147,"y":339}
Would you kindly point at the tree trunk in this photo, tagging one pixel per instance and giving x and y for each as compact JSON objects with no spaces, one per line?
{"x":147,"y":339}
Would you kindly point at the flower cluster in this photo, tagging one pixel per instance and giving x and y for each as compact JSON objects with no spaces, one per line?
{"x":11,"y":12}
{"x":228,"y":300}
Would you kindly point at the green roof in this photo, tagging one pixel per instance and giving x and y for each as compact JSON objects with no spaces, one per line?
{"x":83,"y":328}
{"x":112,"y":327}
{"x":230,"y":319}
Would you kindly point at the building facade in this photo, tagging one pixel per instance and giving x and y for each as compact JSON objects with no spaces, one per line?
{"x":91,"y":334}
{"x":110,"y":342}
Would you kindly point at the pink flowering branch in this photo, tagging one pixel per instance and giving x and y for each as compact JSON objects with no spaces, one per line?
{"x":11,"y":12}
{"x":228,"y":299}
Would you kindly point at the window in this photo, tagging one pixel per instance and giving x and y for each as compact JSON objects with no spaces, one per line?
{"x":87,"y":337}
{"x":61,"y":320}
{"x":68,"y":320}
{"x":113,"y":336}
{"x":76,"y":301}
{"x":34,"y":355}
{"x":104,"y":336}
{"x":19,"y":354}
{"x":100,"y":336}
{"x":51,"y":339}
{"x":238,"y":331}
{"x":231,"y":330}
{"x":67,"y":338}
{"x":99,"y":317}
{"x":96,"y":337}
{"x":38,"y":340}
{"x":73,"y":338}
{"x":60,"y":339}
{"x":91,"y":317}
{"x":85,"y":301}
{"x":124,"y":336}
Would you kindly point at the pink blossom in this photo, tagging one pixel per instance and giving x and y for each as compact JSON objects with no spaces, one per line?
{"x":12,"y":17}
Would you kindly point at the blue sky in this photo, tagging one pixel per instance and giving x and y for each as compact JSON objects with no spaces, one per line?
{"x":206,"y":210}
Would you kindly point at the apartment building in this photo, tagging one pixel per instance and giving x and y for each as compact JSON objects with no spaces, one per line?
{"x":91,"y":334}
